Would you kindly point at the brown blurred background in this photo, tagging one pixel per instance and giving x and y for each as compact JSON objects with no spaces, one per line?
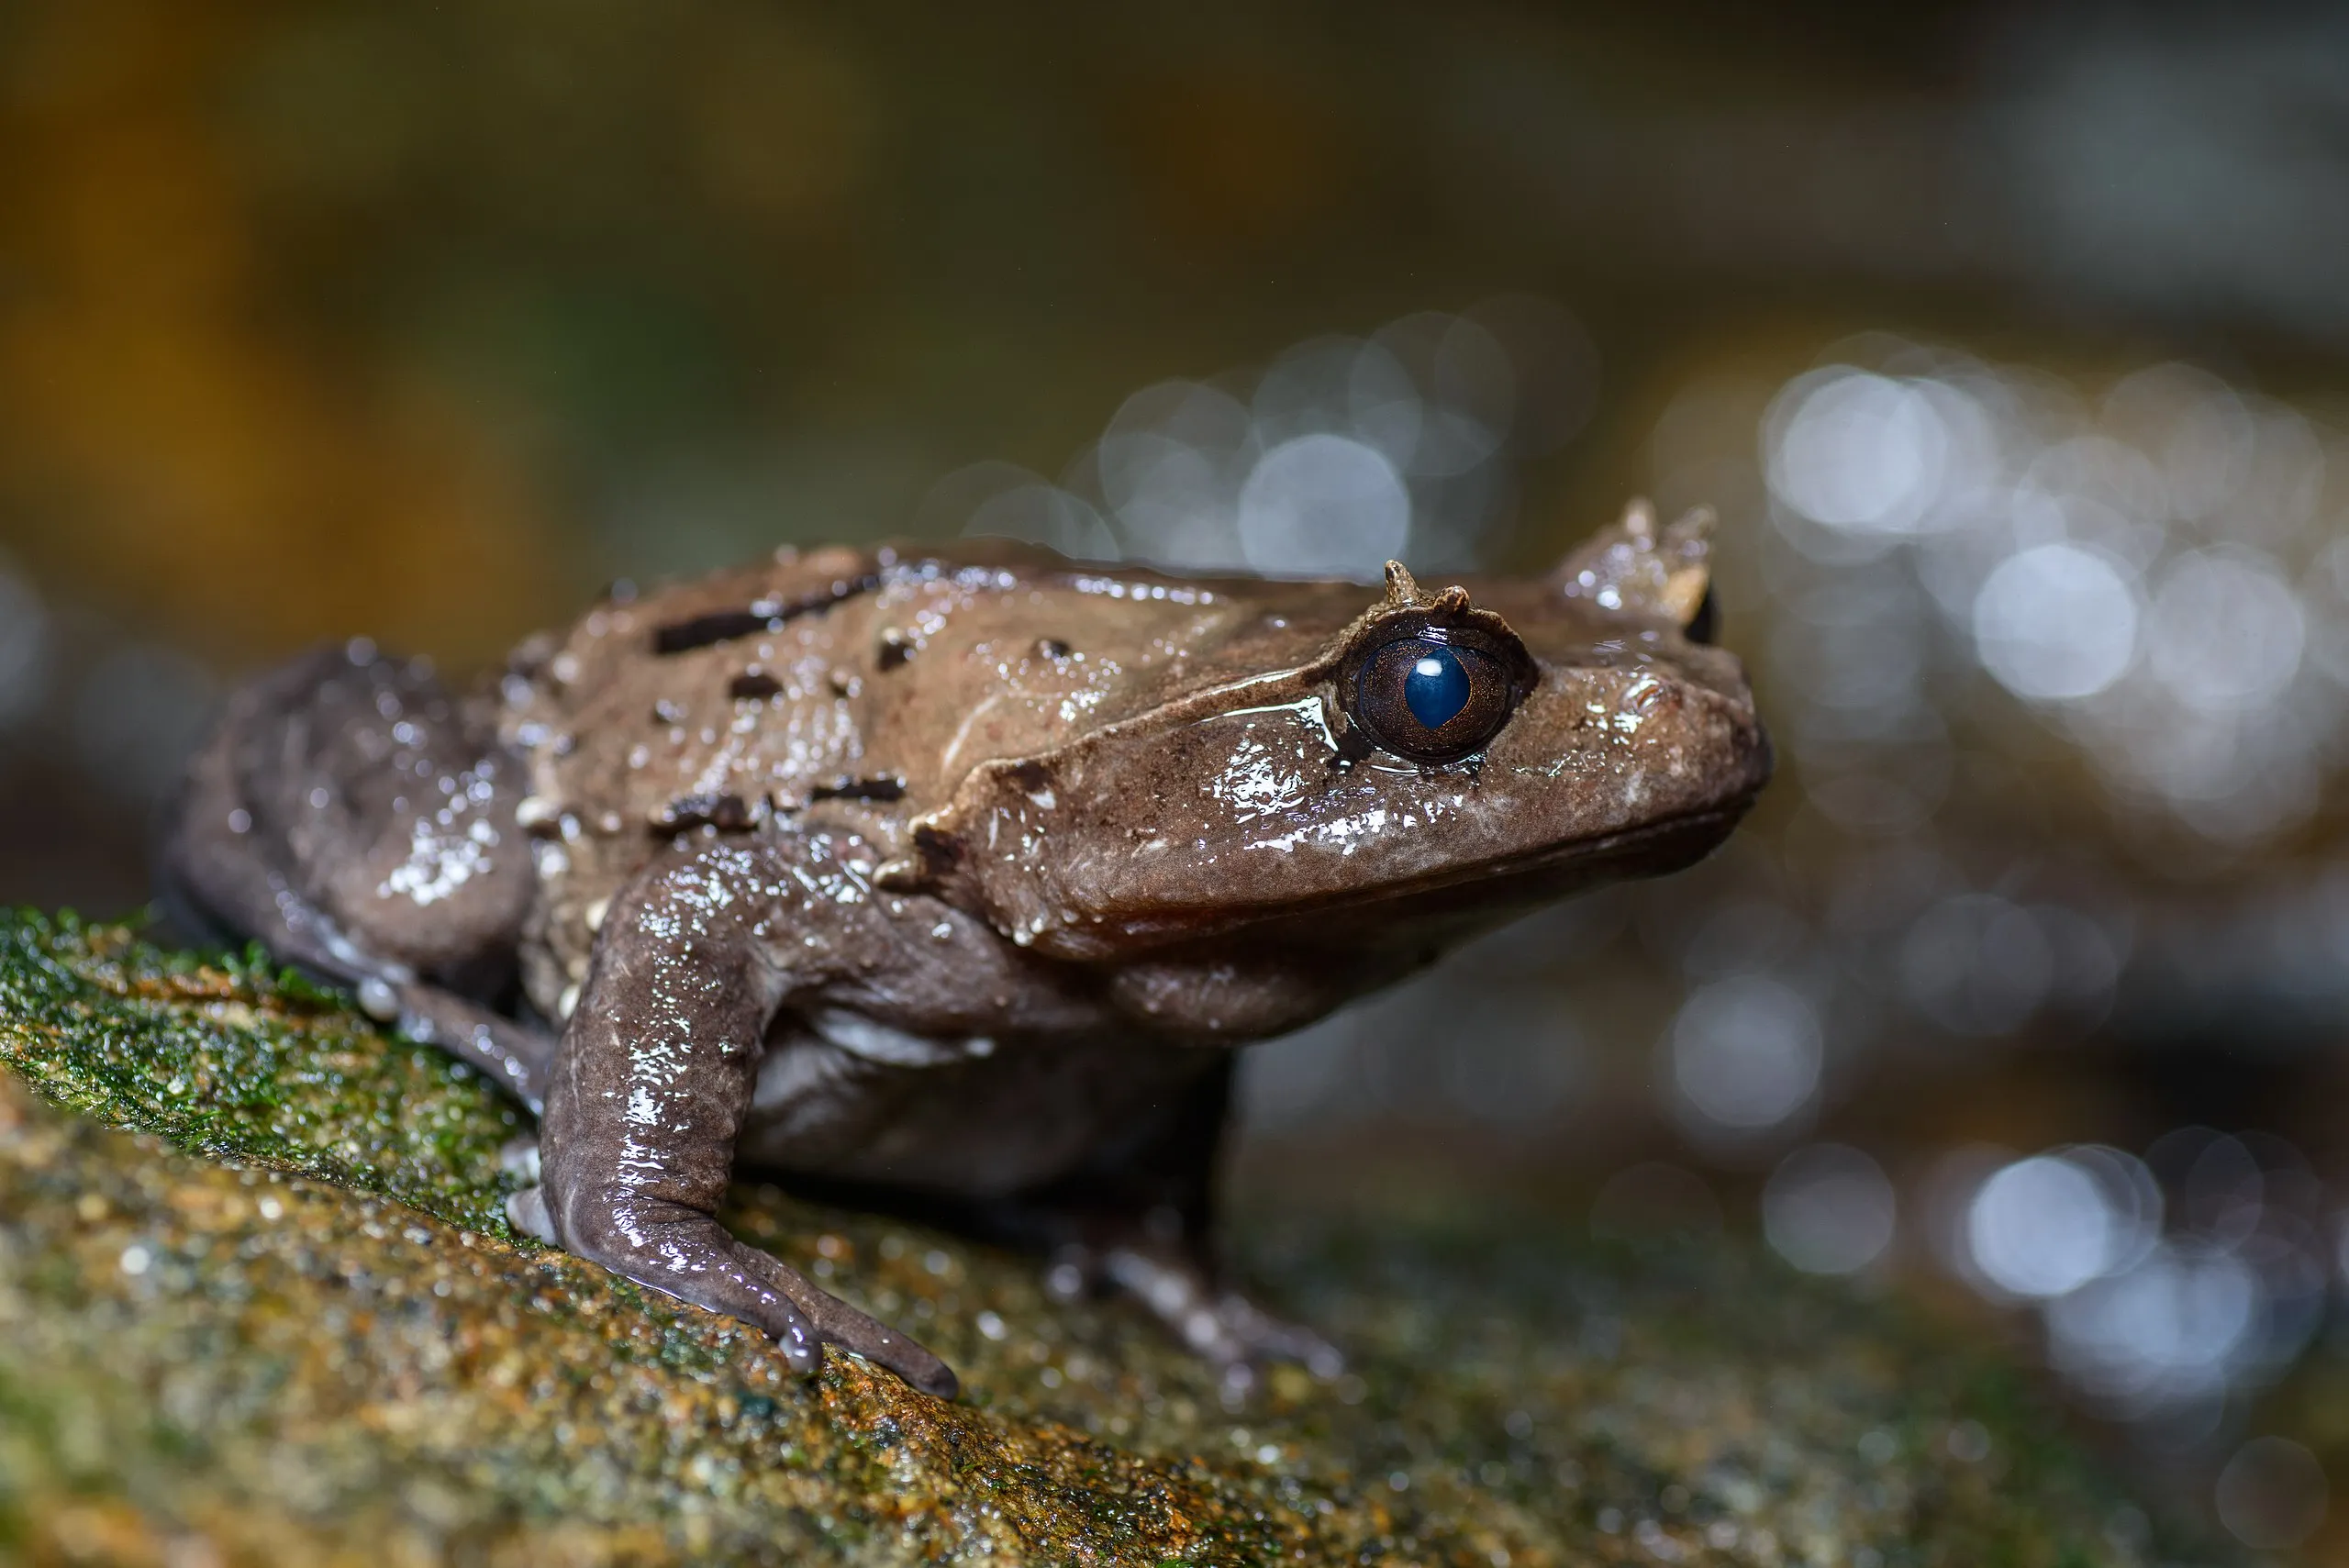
{"x":2010,"y":340}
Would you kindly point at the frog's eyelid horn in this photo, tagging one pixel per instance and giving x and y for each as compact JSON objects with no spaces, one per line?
{"x":1409,"y":609}
{"x":1404,"y":593}
{"x":1631,"y":565}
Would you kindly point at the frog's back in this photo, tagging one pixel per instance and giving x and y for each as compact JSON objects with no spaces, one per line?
{"x":841,"y":689}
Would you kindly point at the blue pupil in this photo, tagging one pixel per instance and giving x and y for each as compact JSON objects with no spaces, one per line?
{"x":1437,"y":688}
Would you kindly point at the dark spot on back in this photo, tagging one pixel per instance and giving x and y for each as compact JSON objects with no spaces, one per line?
{"x":1053,"y":648}
{"x":727,"y":813}
{"x":895,"y":648}
{"x":720,"y":626}
{"x":754,"y":685}
{"x":764,"y":614}
{"x":886,"y":786}
{"x":938,"y":851}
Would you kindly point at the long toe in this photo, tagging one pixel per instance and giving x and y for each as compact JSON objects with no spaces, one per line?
{"x":927,"y":1373}
{"x":920,"y":1366}
{"x":842,"y":1325}
{"x":1273,"y":1338}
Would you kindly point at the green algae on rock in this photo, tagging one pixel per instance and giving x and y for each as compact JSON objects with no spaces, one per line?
{"x":258,"y":1304}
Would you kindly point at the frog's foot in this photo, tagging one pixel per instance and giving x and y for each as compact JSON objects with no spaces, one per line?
{"x":1221,"y":1326}
{"x":513,"y":1056}
{"x":686,"y":1253}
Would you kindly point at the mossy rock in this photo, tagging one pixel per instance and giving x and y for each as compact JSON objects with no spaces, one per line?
{"x":257,"y":1303}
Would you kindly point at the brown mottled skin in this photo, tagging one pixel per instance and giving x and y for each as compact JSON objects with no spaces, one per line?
{"x":952,"y":873}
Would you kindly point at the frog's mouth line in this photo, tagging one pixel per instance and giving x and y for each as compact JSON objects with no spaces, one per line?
{"x":1653,"y":849}
{"x":1478,"y":892}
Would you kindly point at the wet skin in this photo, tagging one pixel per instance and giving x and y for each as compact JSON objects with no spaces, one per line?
{"x":954,"y":874}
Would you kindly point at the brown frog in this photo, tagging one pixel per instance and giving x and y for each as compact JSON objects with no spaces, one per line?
{"x":954,"y":872}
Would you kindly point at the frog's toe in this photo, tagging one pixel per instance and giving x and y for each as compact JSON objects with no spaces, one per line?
{"x":912,"y":1361}
{"x":839,"y":1323}
{"x":526,"y":1211}
{"x":1267,"y":1337}
{"x":1224,"y":1328}
{"x":834,"y":1321}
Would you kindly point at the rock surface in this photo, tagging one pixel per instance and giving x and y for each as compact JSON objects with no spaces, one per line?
{"x":257,"y":1303}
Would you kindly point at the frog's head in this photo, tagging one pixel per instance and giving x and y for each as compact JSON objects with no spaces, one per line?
{"x":1345,"y":758}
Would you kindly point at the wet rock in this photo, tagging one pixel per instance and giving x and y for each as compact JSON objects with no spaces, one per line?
{"x":258,"y":1302}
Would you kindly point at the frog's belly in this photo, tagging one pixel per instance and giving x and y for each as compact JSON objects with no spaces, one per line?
{"x":842,"y":1096}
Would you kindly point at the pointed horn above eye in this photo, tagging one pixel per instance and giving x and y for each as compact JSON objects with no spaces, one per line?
{"x":1631,"y":565}
{"x":1402,"y":588}
{"x":1404,"y":593}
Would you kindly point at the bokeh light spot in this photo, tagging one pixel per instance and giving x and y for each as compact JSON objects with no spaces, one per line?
{"x":1829,"y":1209}
{"x":2055,"y":623}
{"x":1323,"y":507}
{"x":1859,"y":452}
{"x":2042,"y":1227}
{"x":2225,"y":630}
{"x":1746,"y":1052}
{"x":2273,"y":1495}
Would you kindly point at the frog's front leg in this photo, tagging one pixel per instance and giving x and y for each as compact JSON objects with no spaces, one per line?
{"x":655,"y":1074}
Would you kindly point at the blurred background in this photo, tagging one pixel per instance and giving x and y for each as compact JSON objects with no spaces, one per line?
{"x":2009,"y":342}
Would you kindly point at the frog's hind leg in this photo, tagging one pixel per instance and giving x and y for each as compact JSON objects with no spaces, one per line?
{"x":357,"y":821}
{"x":1138,"y":1220}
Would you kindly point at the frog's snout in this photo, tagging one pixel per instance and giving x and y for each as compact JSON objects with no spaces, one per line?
{"x":1612,"y":749}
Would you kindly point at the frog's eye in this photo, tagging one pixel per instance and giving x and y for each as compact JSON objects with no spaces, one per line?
{"x":1433,"y":695}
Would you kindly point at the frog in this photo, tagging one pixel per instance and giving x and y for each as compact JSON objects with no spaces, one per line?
{"x":953,"y":875}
